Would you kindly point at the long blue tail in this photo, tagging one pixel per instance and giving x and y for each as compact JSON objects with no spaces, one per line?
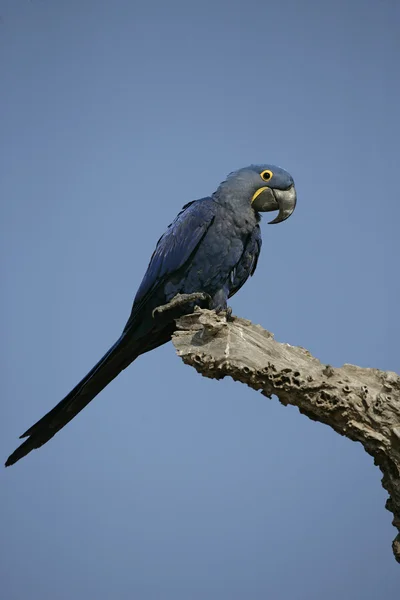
{"x":119,"y":356}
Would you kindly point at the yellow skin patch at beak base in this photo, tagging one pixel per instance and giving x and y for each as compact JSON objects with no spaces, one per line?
{"x":258,"y":192}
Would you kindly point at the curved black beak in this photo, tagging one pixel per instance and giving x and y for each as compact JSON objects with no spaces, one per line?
{"x":267,"y":199}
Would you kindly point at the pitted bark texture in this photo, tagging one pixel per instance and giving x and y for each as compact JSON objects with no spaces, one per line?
{"x":361,"y":404}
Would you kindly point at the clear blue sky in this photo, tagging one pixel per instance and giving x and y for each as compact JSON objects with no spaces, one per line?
{"x":170,"y":486}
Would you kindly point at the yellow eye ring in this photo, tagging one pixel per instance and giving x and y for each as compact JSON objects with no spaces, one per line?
{"x":266,"y":175}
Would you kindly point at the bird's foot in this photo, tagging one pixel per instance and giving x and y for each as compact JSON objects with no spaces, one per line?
{"x":228,"y":313}
{"x":182,"y":300}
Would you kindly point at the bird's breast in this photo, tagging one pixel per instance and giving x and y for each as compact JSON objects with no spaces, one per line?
{"x":217,"y":255}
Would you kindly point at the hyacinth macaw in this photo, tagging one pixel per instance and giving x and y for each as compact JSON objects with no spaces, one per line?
{"x":211,"y":248}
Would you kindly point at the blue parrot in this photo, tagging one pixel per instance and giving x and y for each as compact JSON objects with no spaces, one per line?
{"x":209,"y":250}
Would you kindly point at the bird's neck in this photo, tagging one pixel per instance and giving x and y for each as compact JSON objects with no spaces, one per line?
{"x":234,"y":200}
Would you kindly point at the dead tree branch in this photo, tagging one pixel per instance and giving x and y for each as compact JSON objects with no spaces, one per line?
{"x":361,"y":404}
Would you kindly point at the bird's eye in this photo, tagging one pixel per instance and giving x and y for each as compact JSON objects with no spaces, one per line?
{"x":266,"y":175}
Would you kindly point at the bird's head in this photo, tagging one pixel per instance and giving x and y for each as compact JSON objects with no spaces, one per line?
{"x":264,"y":187}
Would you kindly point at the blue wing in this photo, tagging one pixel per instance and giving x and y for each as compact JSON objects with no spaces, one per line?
{"x":175,"y":247}
{"x":247,"y":263}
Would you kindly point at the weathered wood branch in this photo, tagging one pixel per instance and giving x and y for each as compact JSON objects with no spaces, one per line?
{"x":361,"y":404}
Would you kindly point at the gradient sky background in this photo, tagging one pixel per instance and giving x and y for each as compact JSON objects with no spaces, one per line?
{"x":170,"y":486}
